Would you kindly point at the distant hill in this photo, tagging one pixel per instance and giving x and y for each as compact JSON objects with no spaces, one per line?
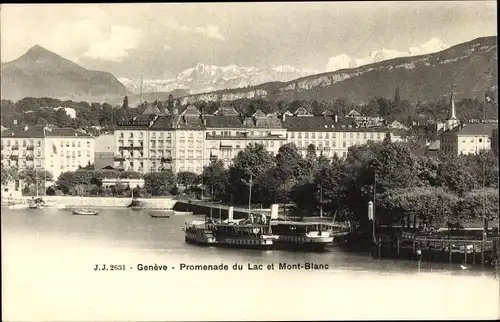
{"x":42,"y":73}
{"x":470,"y":66}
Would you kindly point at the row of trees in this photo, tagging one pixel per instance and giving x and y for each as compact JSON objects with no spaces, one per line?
{"x":427,"y":189}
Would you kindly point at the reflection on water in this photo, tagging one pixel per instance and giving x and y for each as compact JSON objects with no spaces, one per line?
{"x":49,"y":256}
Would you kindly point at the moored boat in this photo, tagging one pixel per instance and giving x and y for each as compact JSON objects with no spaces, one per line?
{"x":85,"y":212}
{"x":161,"y":213}
{"x":230,"y":233}
{"x":302,"y":235}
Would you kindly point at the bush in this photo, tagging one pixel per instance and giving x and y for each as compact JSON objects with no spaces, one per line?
{"x":50,"y":191}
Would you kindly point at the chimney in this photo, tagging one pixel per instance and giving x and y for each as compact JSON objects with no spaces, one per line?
{"x":283,"y":117}
{"x":25,"y":128}
{"x":230,"y":214}
{"x":15,"y":122}
{"x":336,"y":118}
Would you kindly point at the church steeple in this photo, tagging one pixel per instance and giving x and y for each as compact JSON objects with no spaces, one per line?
{"x":452,"y":120}
{"x":451,"y":111}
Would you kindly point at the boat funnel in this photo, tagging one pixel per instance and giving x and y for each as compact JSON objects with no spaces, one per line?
{"x":230,"y":214}
{"x":274,"y":211}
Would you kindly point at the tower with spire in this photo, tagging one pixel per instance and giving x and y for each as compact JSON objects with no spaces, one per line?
{"x":452,"y":121}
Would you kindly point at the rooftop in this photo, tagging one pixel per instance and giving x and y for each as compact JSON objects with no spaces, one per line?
{"x":40,"y":131}
{"x":474,"y":129}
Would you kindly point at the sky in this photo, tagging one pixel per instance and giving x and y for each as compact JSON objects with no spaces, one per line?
{"x":160,"y":40}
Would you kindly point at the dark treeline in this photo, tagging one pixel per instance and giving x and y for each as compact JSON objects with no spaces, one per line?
{"x":409,"y":188}
{"x":32,"y":111}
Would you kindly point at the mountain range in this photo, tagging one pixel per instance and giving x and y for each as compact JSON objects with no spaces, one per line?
{"x":204,"y":78}
{"x":472,"y":68}
{"x":42,"y":73}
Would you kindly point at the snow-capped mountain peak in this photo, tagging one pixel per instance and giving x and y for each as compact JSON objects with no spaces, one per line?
{"x":205,"y":77}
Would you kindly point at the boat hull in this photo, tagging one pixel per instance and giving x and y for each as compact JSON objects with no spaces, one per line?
{"x":81,"y":213}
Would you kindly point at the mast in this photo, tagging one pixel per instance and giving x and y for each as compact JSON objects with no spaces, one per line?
{"x":250,"y":197}
{"x":321,"y":201}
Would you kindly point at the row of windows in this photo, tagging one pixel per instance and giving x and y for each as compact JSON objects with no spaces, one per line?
{"x":328,"y":135}
{"x":24,"y":143}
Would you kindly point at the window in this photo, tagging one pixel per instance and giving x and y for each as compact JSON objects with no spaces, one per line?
{"x":79,"y":153}
{"x":73,"y":144}
{"x":344,"y":144}
{"x":88,"y":153}
{"x":480,"y":140}
{"x":79,"y":144}
{"x":24,"y":143}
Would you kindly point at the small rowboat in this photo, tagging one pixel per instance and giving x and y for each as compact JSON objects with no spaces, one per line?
{"x":161,"y":214}
{"x":85,"y":212}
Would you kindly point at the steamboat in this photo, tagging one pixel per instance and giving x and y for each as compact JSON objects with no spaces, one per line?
{"x":298,"y":235}
{"x":246,"y":233}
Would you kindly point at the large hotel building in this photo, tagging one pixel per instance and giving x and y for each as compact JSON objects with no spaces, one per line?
{"x":57,"y":150}
{"x":190,"y":140}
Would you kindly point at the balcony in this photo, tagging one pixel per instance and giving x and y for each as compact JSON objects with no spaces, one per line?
{"x":29,"y":158}
{"x":30,"y":147}
{"x":166,"y":159}
{"x":14,"y":157}
{"x":15,"y":147}
{"x":119,"y":158}
{"x":130,"y":148}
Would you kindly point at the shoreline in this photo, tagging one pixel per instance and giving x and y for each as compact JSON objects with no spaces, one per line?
{"x":100,"y":202}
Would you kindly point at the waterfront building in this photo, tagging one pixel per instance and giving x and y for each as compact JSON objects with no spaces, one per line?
{"x":227,"y":133}
{"x":331,"y":135}
{"x":191,"y":140}
{"x":45,"y":147}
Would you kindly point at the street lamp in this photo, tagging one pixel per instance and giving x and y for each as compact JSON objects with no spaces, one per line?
{"x":374,"y":164}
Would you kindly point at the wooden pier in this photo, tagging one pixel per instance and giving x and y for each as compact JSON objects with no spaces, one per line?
{"x":443,"y":248}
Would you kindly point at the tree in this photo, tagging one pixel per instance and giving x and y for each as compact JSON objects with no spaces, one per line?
{"x":215,"y":179}
{"x":187,"y":179}
{"x":125,"y":102}
{"x":397,"y":100}
{"x":478,"y":204}
{"x":253,"y":162}
{"x":454,"y":175}
{"x":330,"y":190}
{"x":8,"y":175}
{"x":159,"y":183}
{"x":35,"y":179}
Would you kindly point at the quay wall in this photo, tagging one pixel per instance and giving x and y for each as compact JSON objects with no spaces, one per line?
{"x":70,"y":201}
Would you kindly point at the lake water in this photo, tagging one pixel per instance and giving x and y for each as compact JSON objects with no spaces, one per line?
{"x":48,"y":260}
